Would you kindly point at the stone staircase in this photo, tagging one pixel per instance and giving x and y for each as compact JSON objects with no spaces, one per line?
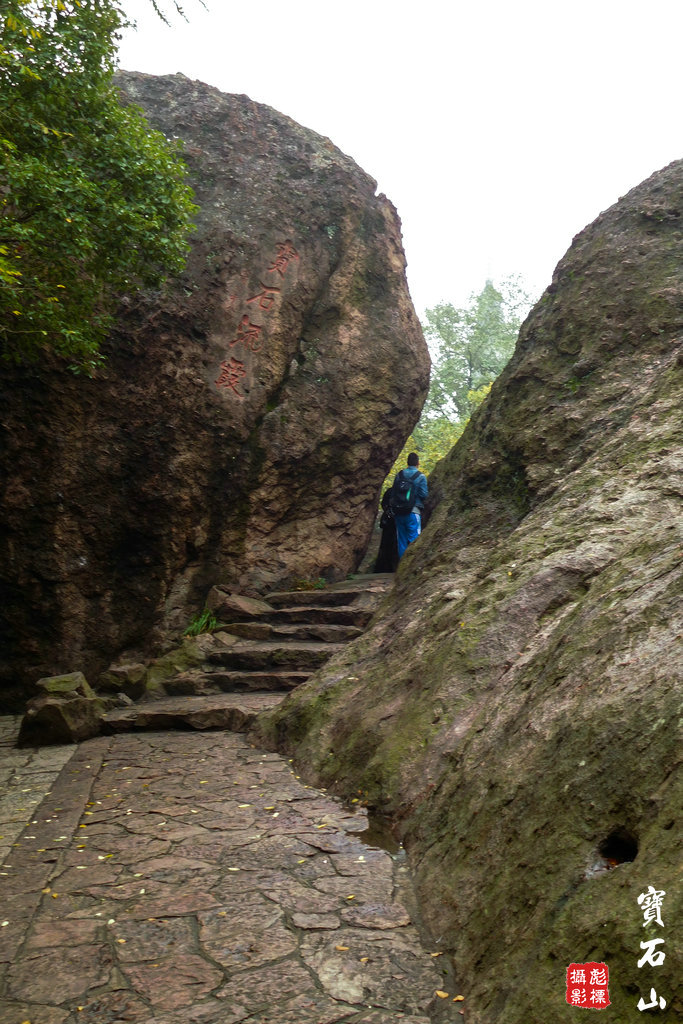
{"x":248,"y":666}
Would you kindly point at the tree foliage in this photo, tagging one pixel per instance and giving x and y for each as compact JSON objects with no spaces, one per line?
{"x":93,"y":203}
{"x":469,"y":347}
{"x":434,"y":438}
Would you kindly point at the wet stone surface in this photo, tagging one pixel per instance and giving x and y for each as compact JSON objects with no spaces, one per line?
{"x":25,"y":777}
{"x":176,"y":878}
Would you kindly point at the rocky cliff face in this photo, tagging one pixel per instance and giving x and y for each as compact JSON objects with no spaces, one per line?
{"x":516,"y":706}
{"x":243,"y":424}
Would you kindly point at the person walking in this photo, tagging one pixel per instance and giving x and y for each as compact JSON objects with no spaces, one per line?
{"x":408,"y":495}
{"x":387,"y":554}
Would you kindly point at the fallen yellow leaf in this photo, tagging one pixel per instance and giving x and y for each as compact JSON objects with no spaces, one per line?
{"x":350,"y":897}
{"x":436,"y":954}
{"x":342,"y":949}
{"x":364,"y":959}
{"x":55,"y":895}
{"x":458,"y":999}
{"x":440,"y":994}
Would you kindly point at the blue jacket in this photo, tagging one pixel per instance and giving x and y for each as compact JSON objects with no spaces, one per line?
{"x":413,"y":473}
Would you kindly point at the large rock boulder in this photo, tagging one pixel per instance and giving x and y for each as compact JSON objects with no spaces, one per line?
{"x":245,"y":418}
{"x":517,"y":708}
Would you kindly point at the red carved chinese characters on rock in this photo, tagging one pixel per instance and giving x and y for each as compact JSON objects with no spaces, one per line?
{"x":248,"y":334}
{"x":230,"y":375}
{"x":265,"y":298}
{"x":285,"y":254}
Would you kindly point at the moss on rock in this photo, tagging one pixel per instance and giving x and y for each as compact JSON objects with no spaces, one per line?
{"x":517,"y":705}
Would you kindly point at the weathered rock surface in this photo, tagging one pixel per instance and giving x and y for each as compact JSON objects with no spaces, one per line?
{"x":66,"y":710}
{"x":244,"y":421}
{"x":229,"y":607}
{"x":518,"y":705}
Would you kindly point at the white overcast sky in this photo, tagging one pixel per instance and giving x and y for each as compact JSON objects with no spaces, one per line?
{"x":498,"y":128}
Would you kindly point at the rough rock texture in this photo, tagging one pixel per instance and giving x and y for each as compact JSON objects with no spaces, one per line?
{"x":129,"y":679}
{"x":517,"y":707}
{"x":229,"y":607}
{"x":67,"y":710}
{"x":242,"y":426}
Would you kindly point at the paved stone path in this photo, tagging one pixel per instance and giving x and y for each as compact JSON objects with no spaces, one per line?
{"x":25,"y":778}
{"x":189,"y":878}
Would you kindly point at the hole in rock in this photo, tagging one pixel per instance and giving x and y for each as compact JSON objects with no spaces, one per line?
{"x":620,"y":847}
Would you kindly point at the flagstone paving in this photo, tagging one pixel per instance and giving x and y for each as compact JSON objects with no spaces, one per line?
{"x":185,"y":878}
{"x":25,"y":778}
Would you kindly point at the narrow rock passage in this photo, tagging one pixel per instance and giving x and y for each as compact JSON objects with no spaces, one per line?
{"x":184,"y":878}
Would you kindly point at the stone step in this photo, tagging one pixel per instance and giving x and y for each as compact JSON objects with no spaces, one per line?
{"x":319,"y":598}
{"x":365,"y":590}
{"x":254,"y":656}
{"x":296,"y":632}
{"x":226,"y":681}
{"x":235,"y":713}
{"x":342,"y":615}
